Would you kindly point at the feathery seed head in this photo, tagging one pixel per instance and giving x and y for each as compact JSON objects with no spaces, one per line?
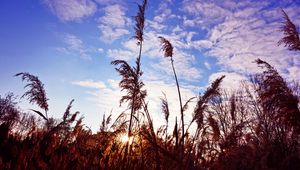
{"x":166,"y":46}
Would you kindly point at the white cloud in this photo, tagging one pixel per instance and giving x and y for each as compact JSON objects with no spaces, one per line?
{"x":114,"y":16}
{"x":185,"y":63}
{"x":207,"y":65}
{"x":203,"y":12}
{"x":75,"y":46}
{"x":152,"y":47}
{"x":184,"y":66}
{"x":176,"y":29}
{"x":110,"y":34}
{"x":191,"y":22}
{"x":231,"y":81}
{"x":163,"y":13}
{"x":240,"y":32}
{"x":101,"y":50}
{"x":105,"y":95}
{"x":113,"y":24}
{"x":73,"y":41}
{"x":90,"y":84}
{"x":71,"y":10}
{"x":294,"y":73}
{"x":155,"y":25}
{"x":200,"y":44}
{"x":119,"y":54}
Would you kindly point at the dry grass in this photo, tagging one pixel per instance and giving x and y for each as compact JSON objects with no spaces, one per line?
{"x":246,"y":129}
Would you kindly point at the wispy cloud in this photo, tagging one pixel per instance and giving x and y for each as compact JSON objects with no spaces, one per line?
{"x":204,"y":8}
{"x":242,"y":41}
{"x":113,"y":24}
{"x":100,"y":50}
{"x":71,"y":10}
{"x":231,"y":81}
{"x":184,"y":66}
{"x":294,"y":73}
{"x":240,"y":32}
{"x":207,"y":65}
{"x":108,"y":2}
{"x":108,"y":95}
{"x":154,"y":91}
{"x":119,"y":54}
{"x":90,"y":84}
{"x":75,"y":46}
{"x":163,"y":13}
{"x":105,"y":95}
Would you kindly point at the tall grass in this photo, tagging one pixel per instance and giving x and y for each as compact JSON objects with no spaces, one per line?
{"x":255,"y":127}
{"x":168,"y":53}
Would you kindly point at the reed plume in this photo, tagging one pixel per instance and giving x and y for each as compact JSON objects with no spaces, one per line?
{"x":140,"y":22}
{"x":167,"y":47}
{"x":215,"y":127}
{"x":8,"y":110}
{"x":291,"y":34}
{"x":276,"y":98}
{"x":131,"y":75}
{"x":203,"y":100}
{"x":165,"y":107}
{"x":132,"y":84}
{"x":166,"y":111}
{"x":36,"y":92}
{"x":233,"y":107}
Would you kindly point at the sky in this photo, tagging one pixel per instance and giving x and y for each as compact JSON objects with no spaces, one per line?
{"x":69,"y":45}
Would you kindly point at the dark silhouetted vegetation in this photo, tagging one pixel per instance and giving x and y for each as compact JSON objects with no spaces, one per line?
{"x":255,"y":127}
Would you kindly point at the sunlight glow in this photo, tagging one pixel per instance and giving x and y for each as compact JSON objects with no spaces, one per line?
{"x":124,"y":138}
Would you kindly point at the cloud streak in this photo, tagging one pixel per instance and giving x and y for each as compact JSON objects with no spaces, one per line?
{"x":113,"y":23}
{"x":90,"y":84}
{"x":71,"y":10}
{"x":75,"y":46}
{"x":240,"y":32}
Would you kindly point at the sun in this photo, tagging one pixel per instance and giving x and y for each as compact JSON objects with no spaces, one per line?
{"x":124,"y":138}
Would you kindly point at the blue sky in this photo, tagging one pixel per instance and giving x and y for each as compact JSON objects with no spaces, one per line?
{"x":69,"y":44}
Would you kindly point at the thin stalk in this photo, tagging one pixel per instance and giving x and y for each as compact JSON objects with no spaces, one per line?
{"x":196,"y":135}
{"x":181,"y":112}
{"x":139,"y":58}
{"x":134,"y":93}
{"x":133,"y":98}
{"x":166,"y":134}
{"x":180,"y":101}
{"x":158,"y":166}
{"x":141,"y":145}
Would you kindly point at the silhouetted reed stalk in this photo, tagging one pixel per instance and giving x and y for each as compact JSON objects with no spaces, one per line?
{"x":180,"y":101}
{"x":165,"y":110}
{"x":131,"y":75}
{"x":276,"y":98}
{"x":175,"y":133}
{"x":168,"y":52}
{"x":198,"y":115}
{"x":291,"y":39}
{"x":153,"y":136}
{"x":36,"y":93}
{"x":139,"y":32}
